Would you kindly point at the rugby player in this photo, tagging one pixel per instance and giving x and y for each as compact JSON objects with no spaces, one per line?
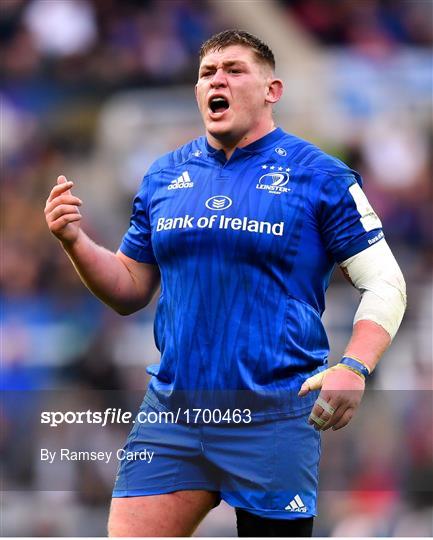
{"x":242,"y":229}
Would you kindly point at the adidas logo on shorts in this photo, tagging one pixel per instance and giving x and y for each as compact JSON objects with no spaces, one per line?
{"x":296,"y":505}
{"x":184,"y":181}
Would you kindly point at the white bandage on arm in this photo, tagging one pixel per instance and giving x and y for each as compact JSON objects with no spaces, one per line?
{"x":376,"y":274}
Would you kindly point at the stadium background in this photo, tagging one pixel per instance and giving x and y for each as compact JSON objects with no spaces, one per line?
{"x":96,"y":89}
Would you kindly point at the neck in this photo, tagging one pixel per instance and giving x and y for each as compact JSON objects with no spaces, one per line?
{"x":228,"y":143}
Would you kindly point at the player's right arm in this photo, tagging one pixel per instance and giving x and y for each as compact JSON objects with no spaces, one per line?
{"x":119,"y":281}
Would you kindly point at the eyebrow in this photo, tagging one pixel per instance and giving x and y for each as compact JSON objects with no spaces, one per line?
{"x":227,"y":63}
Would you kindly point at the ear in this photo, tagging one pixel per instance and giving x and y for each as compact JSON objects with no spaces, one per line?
{"x":274,"y":90}
{"x":195,"y":92}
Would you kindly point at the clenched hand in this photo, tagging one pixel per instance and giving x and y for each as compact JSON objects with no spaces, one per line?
{"x":61,"y":211}
{"x":341,"y":391}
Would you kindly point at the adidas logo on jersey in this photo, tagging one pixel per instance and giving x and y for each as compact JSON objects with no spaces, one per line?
{"x":296,"y":505}
{"x":184,"y":181}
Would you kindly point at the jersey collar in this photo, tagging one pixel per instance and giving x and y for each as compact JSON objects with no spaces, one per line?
{"x":261,"y":144}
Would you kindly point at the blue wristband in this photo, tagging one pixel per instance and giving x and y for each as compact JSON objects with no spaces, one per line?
{"x":356,"y":365}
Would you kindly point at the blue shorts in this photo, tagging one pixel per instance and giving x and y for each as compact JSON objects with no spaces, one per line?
{"x":269,"y":468}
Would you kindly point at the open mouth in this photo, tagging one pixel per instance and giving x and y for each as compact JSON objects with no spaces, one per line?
{"x":218,"y":104}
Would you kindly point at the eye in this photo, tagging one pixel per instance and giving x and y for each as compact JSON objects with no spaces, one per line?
{"x":206,"y":74}
{"x":234,"y":70}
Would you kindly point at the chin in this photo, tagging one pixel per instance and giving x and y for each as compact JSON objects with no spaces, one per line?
{"x":219,"y":130}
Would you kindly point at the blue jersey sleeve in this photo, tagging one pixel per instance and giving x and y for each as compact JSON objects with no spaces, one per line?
{"x":137,"y":243}
{"x":347,"y":222}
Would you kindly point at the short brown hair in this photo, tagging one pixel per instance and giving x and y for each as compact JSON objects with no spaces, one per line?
{"x":238,"y":37}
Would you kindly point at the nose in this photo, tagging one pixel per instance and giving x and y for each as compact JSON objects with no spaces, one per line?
{"x":219,"y":79}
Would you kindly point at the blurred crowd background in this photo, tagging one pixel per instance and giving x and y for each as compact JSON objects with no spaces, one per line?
{"x":97,"y":89}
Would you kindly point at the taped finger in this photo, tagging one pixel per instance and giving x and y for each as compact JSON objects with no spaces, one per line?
{"x":320,"y":422}
{"x":336,"y":417}
{"x":326,"y":406}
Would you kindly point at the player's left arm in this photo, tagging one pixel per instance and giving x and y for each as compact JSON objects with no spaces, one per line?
{"x":376,"y":274}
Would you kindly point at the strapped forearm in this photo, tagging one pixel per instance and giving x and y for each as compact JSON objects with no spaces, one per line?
{"x":376,"y":274}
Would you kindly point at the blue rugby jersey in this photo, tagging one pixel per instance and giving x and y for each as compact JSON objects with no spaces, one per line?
{"x":246,"y":248}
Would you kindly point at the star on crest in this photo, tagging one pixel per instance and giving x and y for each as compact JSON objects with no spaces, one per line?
{"x":264,"y":166}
